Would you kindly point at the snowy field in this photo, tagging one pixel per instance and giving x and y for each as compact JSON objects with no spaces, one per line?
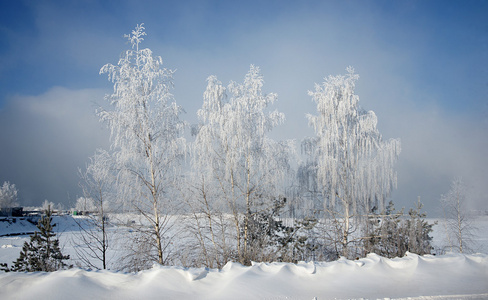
{"x":450,"y":276}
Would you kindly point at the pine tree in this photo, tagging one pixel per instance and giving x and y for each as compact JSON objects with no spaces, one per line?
{"x":42,"y":252}
{"x":418,"y":230}
{"x":385,"y":235}
{"x":392,"y":235}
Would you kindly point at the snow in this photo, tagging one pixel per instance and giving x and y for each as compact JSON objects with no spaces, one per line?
{"x":453,"y":276}
{"x":15,"y":226}
{"x":450,"y":276}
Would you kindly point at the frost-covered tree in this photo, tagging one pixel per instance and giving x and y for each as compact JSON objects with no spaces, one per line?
{"x":8,"y":195}
{"x":47,"y":205}
{"x":353,"y":164}
{"x":458,"y":225}
{"x":146,"y":135}
{"x":233,"y":153}
{"x":94,"y":240}
{"x":84,"y":204}
{"x":207,"y":207}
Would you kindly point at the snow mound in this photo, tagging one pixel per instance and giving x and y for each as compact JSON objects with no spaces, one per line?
{"x":17,"y":226}
{"x":452,"y":276}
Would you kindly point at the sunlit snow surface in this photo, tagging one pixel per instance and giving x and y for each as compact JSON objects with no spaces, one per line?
{"x":451,"y":276}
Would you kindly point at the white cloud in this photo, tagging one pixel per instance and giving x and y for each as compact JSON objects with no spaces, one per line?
{"x":47,"y":138}
{"x":294,"y":53}
{"x":437,"y":147}
{"x":407,"y":78}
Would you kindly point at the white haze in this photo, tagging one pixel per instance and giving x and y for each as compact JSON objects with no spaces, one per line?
{"x":46,"y":139}
{"x":419,"y":63}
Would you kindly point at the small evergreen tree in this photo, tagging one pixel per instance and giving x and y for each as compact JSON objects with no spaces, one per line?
{"x":391,"y":234}
{"x":418,"y":231}
{"x":264,"y":231}
{"x":270,"y":239}
{"x":42,"y":252}
{"x":384,"y":237}
{"x":299,"y":241}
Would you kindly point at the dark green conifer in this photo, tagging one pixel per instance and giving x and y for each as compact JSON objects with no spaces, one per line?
{"x":42,"y":252}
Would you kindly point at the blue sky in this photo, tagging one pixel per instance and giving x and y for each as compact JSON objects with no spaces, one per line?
{"x":423,"y":68}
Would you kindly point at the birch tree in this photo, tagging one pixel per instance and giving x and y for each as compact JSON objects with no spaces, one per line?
{"x":234,"y":153}
{"x":84,"y":204}
{"x":354,"y":166}
{"x":146,"y":135}
{"x":8,"y":195}
{"x":94,"y":240}
{"x":458,"y":225}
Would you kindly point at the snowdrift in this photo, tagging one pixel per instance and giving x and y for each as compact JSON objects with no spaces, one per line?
{"x":452,"y":276}
{"x":17,"y":226}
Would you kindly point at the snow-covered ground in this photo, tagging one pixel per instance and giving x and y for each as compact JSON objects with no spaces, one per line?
{"x":450,"y":276}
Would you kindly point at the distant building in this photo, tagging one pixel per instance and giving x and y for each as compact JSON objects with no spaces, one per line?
{"x":11,"y":212}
